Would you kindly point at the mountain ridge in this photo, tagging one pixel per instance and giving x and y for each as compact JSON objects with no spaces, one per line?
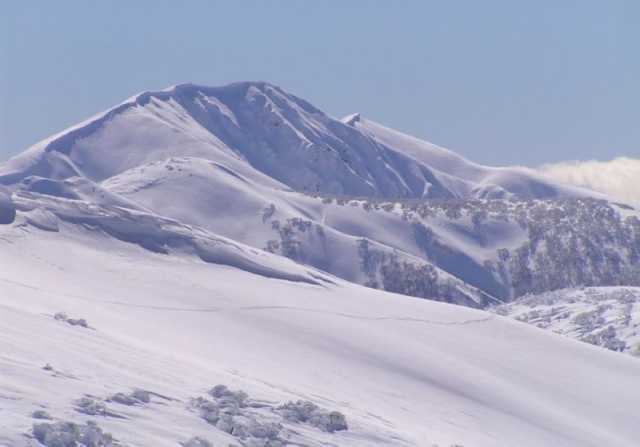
{"x":257,"y":121}
{"x":240,"y":160}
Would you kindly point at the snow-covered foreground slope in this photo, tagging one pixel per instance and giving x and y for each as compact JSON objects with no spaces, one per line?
{"x":404,"y":372}
{"x":603,"y":316}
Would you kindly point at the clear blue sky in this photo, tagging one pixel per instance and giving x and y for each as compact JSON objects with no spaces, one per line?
{"x":501,"y":82}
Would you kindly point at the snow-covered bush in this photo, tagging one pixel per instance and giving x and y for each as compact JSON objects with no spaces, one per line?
{"x":606,"y":338}
{"x":136,"y":397}
{"x":197,"y":442}
{"x":226,"y":398}
{"x":122,"y":398}
{"x":61,"y":316}
{"x":265,"y":430}
{"x":229,"y":424}
{"x":225,"y":403}
{"x":261,"y":442}
{"x":209,"y":411}
{"x":232,"y":412}
{"x":141,"y":395}
{"x":68,"y":434}
{"x":92,"y":407}
{"x":41,"y":414}
{"x":259,"y":423}
{"x":310,"y":413}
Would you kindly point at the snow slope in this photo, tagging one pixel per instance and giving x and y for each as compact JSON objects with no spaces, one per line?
{"x":603,"y":316}
{"x":256,"y":127}
{"x":405,"y":372}
{"x":462,"y":177}
{"x":304,"y":228}
{"x":498,"y":247}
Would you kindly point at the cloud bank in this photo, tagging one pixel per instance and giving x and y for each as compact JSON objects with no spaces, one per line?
{"x":618,"y":178}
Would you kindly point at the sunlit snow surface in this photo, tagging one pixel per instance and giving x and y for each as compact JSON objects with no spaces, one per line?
{"x":404,"y":371}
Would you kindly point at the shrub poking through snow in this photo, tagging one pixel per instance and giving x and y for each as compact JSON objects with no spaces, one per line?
{"x":196,"y":442}
{"x":225,"y":397}
{"x":61,"y":316}
{"x":136,"y":397}
{"x":226,"y":402}
{"x":264,"y":430}
{"x":209,"y":411}
{"x":257,"y":442}
{"x":41,"y":414}
{"x":68,"y":434}
{"x":233,"y":413}
{"x":94,"y":407}
{"x":142,"y":396}
{"x":122,"y":398}
{"x":308,"y":412}
{"x":257,"y":423}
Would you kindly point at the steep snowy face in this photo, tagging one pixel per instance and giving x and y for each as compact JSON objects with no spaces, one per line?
{"x":255,"y":124}
{"x":462,"y":177}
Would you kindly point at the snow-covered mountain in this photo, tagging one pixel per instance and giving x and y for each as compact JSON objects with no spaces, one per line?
{"x":602,"y":316}
{"x":201,"y":236}
{"x":243,"y":162}
{"x":255,"y":126}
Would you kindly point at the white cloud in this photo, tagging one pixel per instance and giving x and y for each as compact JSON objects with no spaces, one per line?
{"x":618,"y":178}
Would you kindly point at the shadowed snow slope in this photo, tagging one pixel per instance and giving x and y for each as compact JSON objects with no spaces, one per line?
{"x":499,"y":248}
{"x":303,"y":228}
{"x":405,"y":372}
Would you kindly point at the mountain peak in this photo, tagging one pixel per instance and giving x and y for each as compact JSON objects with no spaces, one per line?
{"x":190,"y":89}
{"x":352,"y":119}
{"x":257,"y":126}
